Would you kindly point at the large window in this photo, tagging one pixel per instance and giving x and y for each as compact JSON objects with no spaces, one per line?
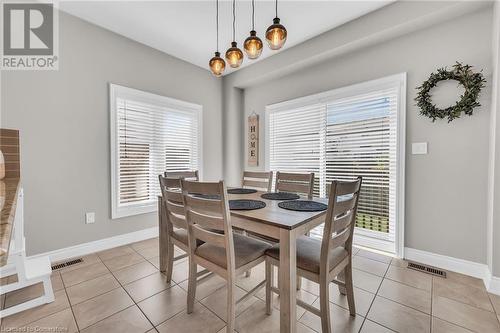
{"x":150,"y":134}
{"x":342,"y":134}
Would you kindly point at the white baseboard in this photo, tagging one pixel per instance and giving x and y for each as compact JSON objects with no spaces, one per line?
{"x":99,"y":245}
{"x":462,"y":266}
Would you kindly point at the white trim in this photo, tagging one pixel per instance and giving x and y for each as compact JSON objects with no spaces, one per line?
{"x":346,"y":92}
{"x":98,"y":245}
{"x":493,"y":285}
{"x":146,"y":97}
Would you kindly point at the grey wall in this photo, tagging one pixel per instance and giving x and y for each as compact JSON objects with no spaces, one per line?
{"x":446,"y":190}
{"x":63,"y":118}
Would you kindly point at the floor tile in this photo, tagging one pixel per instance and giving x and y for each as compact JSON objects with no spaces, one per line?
{"x":149,"y":252}
{"x":398,"y":317}
{"x":117,"y":263}
{"x":145,"y":243}
{"x":91,"y":288}
{"x":62,"y":321}
{"x":206,"y":286}
{"x":164,"y":305}
{"x":369,"y":265}
{"x":303,"y":295}
{"x":217,"y":302}
{"x":255,"y":320}
{"x":340,"y":319}
{"x":22,"y":318}
{"x":135,"y":272}
{"x":115,"y":252}
{"x":366,"y":281}
{"x":130,"y":320}
{"x":311,"y":287}
{"x":464,"y":293}
{"x":155,"y":262}
{"x":399,"y":262}
{"x":147,"y":286}
{"x":465,"y":279}
{"x":87,"y":260}
{"x":418,"y":299}
{"x":200,"y":320}
{"x":464,"y":315}
{"x":409,"y":277}
{"x":257,"y":276}
{"x":372,"y":327}
{"x":100,"y":307}
{"x":374,"y":256}
{"x":495,"y":300}
{"x":23,"y":295}
{"x":180,"y":271}
{"x":362,"y":299}
{"x":57,"y":283}
{"x":441,"y":326}
{"x":83,"y":274}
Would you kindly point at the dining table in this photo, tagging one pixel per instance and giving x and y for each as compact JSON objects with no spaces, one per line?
{"x":278,"y":223}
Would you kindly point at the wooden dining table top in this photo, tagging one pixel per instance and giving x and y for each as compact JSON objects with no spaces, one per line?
{"x":274,"y":215}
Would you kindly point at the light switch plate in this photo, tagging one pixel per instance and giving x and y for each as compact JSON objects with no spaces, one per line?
{"x":89,"y":217}
{"x":419,"y":148}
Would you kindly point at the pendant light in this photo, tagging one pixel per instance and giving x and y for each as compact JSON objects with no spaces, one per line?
{"x":276,"y":33}
{"x":234,"y":55}
{"x":217,"y":64}
{"x":253,"y":44}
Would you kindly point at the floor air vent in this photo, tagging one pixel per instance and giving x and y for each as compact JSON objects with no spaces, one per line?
{"x":67,"y":263}
{"x":427,"y":269}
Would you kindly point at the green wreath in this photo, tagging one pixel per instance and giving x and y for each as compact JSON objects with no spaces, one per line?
{"x":472,"y":82}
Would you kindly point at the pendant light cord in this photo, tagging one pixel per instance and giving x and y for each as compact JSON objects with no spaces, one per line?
{"x":234,"y":20}
{"x":276,"y":8}
{"x":217,"y":22}
{"x":253,"y":14}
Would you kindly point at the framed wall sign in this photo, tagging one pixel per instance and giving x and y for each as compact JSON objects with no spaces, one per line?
{"x":253,"y":139}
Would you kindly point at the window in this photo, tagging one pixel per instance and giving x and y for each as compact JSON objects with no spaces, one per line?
{"x":150,"y":134}
{"x":342,"y":134}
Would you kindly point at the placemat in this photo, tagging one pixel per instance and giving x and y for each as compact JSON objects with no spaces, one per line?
{"x":244,"y":204}
{"x":241,"y":191}
{"x":280,"y":196}
{"x":303,"y":205}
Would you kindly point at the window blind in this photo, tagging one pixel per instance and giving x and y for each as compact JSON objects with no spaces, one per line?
{"x":341,"y":138}
{"x":152,"y":136}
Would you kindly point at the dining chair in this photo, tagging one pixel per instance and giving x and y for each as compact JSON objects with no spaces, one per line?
{"x":175,"y":222}
{"x":328,"y":260}
{"x":225,"y":253}
{"x":259,"y":180}
{"x":191,"y":175}
{"x":299,"y":183}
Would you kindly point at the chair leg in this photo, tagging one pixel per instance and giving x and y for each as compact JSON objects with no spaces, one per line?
{"x":269,"y":284}
{"x":341,"y":277}
{"x":170,"y":262}
{"x":299,"y":282}
{"x":191,"y":285}
{"x":231,"y":306}
{"x":324,"y":303}
{"x":350,"y":289}
{"x":249,"y":272}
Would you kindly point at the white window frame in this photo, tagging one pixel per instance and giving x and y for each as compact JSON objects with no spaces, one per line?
{"x":117,"y":91}
{"x":393,"y":81}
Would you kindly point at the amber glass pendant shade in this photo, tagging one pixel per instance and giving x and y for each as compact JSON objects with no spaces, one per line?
{"x":253,"y":46}
{"x":217,"y":65}
{"x":234,"y":56}
{"x":276,"y":35}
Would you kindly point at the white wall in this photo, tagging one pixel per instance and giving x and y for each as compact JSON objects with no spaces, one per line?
{"x":63,"y":119}
{"x":446,"y":190}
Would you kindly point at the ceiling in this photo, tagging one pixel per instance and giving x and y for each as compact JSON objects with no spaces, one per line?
{"x":186,"y":29}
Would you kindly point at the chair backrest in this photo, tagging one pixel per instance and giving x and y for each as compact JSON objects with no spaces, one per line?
{"x":257,"y":180}
{"x":208,"y":219}
{"x":173,"y":202}
{"x":340,"y":217}
{"x":300,"y":183}
{"x":190,"y":175}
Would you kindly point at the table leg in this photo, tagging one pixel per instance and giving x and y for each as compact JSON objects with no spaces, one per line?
{"x":162,"y":226}
{"x":288,"y":281}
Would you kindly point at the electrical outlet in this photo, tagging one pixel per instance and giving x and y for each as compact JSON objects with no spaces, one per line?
{"x":419,"y":148}
{"x":89,"y":217}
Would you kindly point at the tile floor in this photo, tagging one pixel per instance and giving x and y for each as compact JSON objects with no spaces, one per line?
{"x":121,"y":290}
